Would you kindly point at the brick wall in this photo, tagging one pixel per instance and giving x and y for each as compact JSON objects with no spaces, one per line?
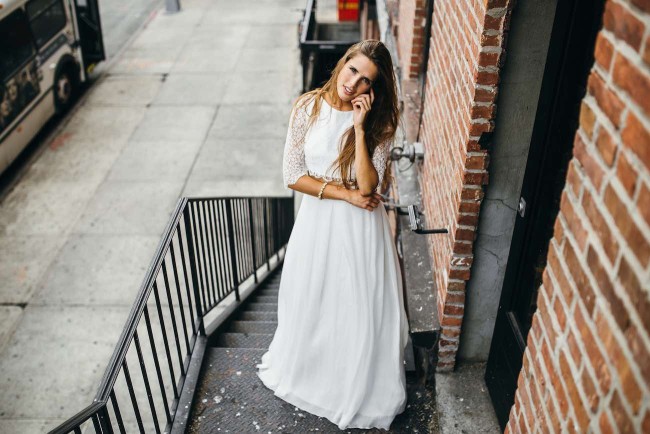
{"x":461,"y":87}
{"x":587,"y":364}
{"x":410,"y":38}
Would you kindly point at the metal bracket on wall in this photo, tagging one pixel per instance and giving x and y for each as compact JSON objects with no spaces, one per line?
{"x":412,"y":151}
{"x":414,"y":214}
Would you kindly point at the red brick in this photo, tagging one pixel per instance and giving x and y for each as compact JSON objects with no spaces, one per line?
{"x":644,"y":5}
{"x":558,"y":272}
{"x":636,"y":138}
{"x":643,"y":203}
{"x":552,"y":370}
{"x":558,"y":232}
{"x":623,"y":24}
{"x":572,"y":391}
{"x":616,"y":306}
{"x":489,"y":58}
{"x":459,"y":273}
{"x":626,"y":174}
{"x":621,"y":417}
{"x":602,"y":229}
{"x":588,"y":387}
{"x":603,"y":375}
{"x":604,"y":51}
{"x":639,"y":351}
{"x":483,"y":112}
{"x":485,"y":95}
{"x":450,"y":321}
{"x":605,"y":424}
{"x":469,"y":207}
{"x":628,"y":383}
{"x":606,"y":146}
{"x":634,"y":82}
{"x":645,"y":424}
{"x":607,"y":101}
{"x":455,"y":297}
{"x":581,"y":280}
{"x":476,"y":162}
{"x":638,"y":296}
{"x":589,"y":164}
{"x":573,"y":181}
{"x":634,"y":237}
{"x":573,"y":221}
{"x":453,"y":309}
{"x":462,"y":248}
{"x":587,"y":119}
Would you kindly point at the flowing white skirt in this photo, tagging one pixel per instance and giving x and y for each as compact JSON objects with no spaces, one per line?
{"x":338,"y":350}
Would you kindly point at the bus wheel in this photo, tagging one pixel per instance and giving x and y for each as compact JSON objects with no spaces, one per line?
{"x":65,"y":89}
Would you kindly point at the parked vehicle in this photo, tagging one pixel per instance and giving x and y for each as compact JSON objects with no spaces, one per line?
{"x":48,"y":48}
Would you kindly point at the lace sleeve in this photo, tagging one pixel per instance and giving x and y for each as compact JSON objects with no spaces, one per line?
{"x":293,"y":160}
{"x":380,"y":160}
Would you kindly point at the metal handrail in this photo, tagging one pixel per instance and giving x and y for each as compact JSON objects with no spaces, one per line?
{"x":213,"y":244}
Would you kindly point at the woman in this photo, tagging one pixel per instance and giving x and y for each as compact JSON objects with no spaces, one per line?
{"x":339,"y":346}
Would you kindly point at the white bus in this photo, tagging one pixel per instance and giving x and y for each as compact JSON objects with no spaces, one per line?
{"x":47,"y":50}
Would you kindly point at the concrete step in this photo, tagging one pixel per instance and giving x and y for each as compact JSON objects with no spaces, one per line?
{"x":231,"y":397}
{"x":252,"y":315}
{"x":261,"y":307}
{"x":267,"y":327}
{"x":243,"y":340}
{"x":265,"y":299}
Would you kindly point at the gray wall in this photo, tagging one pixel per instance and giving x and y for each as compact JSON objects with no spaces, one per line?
{"x":526,"y":50}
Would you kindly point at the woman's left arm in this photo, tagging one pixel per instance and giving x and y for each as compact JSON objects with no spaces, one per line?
{"x":367,"y":176}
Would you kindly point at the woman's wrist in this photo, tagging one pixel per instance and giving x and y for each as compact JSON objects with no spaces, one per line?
{"x":335,"y":191}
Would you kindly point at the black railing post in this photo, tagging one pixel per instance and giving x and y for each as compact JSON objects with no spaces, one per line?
{"x":251,"y":222}
{"x":266,"y":235}
{"x":231,"y":243}
{"x":193,"y":272}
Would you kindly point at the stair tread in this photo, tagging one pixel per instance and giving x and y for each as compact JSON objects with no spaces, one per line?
{"x":231,"y":396}
{"x":243,"y":340}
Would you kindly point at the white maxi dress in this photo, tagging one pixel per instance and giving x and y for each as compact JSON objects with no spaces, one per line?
{"x":338,"y":350}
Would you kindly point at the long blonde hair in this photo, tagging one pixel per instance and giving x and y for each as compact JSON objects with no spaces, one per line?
{"x":381,"y":121}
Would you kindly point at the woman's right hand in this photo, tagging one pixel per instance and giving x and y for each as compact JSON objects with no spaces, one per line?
{"x":369,"y":202}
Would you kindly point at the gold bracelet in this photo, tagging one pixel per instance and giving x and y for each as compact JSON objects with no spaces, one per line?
{"x":320,"y":193}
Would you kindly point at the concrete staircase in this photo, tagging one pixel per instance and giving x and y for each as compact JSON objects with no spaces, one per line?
{"x":230,"y":398}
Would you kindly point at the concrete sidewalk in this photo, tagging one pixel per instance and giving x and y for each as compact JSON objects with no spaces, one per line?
{"x":197,"y":105}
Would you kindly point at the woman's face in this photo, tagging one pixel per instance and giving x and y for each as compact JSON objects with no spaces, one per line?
{"x":356,"y":77}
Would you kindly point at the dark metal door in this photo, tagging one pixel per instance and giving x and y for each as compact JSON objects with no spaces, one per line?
{"x":569,"y":61}
{"x":90,"y":32}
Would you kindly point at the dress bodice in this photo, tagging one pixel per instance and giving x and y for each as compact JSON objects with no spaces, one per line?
{"x":323,"y":142}
{"x":312,"y":150}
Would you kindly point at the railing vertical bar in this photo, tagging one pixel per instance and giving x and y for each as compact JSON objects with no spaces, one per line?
{"x":156,"y":362}
{"x":215,"y":249}
{"x":170,"y":305}
{"x":244,"y":250}
{"x":105,"y":420}
{"x":252,"y":236}
{"x":164,"y":335}
{"x":233,"y":254}
{"x":266,"y":235}
{"x":194,"y":273}
{"x":116,"y":410}
{"x":236,"y":222}
{"x":227,"y":272}
{"x":187,"y":283}
{"x":193,"y":244}
{"x":77,"y":430}
{"x":209,"y":282}
{"x":145,"y":378}
{"x":129,"y":386}
{"x":180,"y":297}
{"x":96,"y":424}
{"x":209,"y":235}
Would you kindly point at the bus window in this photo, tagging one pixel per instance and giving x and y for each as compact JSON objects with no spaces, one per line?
{"x":47,"y":18}
{"x":16,"y":46}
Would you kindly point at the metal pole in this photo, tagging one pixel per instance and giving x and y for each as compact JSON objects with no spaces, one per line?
{"x":173,"y":6}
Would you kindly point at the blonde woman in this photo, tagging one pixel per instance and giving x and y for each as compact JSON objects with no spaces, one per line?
{"x":339,"y":346}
